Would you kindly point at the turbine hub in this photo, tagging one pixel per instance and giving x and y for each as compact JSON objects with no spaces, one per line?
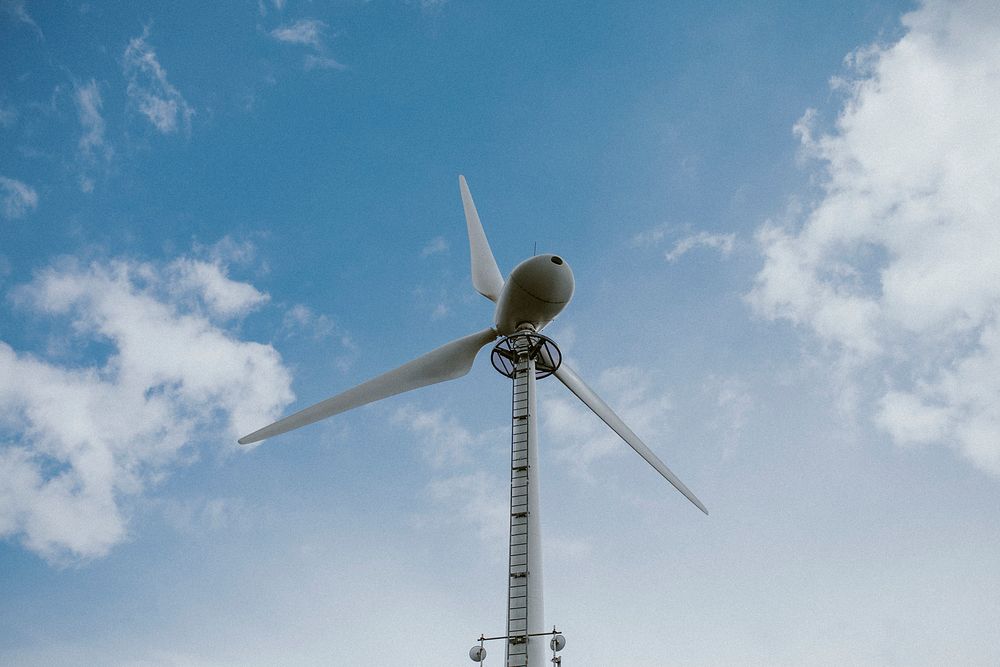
{"x":542,"y":348}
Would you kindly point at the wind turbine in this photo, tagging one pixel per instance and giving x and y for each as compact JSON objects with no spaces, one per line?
{"x":536,"y":291}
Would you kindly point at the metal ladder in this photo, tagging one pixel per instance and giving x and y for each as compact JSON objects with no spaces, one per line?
{"x":517,"y":590}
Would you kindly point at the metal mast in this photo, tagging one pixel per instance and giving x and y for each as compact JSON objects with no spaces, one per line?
{"x":525,"y":356}
{"x":524,"y":588}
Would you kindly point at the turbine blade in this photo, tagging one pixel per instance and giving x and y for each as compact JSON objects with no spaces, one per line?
{"x":573,"y":382}
{"x":486,"y":277}
{"x":450,"y":361}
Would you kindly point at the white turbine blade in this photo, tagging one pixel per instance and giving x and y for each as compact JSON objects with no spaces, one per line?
{"x":573,"y":382}
{"x":450,"y":361}
{"x":486,"y":277}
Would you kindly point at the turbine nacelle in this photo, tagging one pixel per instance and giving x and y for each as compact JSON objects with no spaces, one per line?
{"x":537,"y":290}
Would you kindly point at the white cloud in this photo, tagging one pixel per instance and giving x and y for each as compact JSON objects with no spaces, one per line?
{"x":308,"y":32}
{"x":279,"y":5}
{"x":732,"y":401}
{"x":88,"y":104}
{"x":445,"y":441}
{"x":16,"y":10}
{"x":721,"y":242}
{"x":655,"y":236}
{"x":149,"y":90}
{"x":650,"y":237}
{"x":78,"y":442}
{"x":435,"y":246}
{"x":228,"y":250}
{"x":322,"y":62}
{"x":18,"y":197}
{"x":198,"y":516}
{"x":478,"y":499}
{"x":207,"y":283}
{"x":303,"y":319}
{"x":896,"y":269}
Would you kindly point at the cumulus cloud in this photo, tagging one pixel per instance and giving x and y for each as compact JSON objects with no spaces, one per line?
{"x":150,"y":91}
{"x":79,"y":441}
{"x":206,"y":283}
{"x":18,"y":197}
{"x":895,"y":269}
{"x":721,"y":242}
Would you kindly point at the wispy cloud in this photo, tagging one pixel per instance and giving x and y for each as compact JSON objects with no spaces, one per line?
{"x":302,"y":321}
{"x":18,"y":197}
{"x":88,"y":105}
{"x":279,"y":5}
{"x":304,"y":31}
{"x":8,"y":116}
{"x":322,"y":62}
{"x":150,"y":91}
{"x":477,"y":499}
{"x":473,"y":498}
{"x":445,"y":441}
{"x":582,"y":439}
{"x":656,"y":236}
{"x":82,"y":442}
{"x":435,"y":246}
{"x":721,"y":242}
{"x":309,"y":33}
{"x":732,"y":401}
{"x":896,"y":269}
{"x":198,"y":516}
{"x":650,"y":237}
{"x":17,"y":10}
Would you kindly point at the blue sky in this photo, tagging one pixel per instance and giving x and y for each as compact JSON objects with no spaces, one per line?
{"x":781,"y":219}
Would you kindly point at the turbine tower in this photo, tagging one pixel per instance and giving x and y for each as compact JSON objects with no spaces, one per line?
{"x":536,"y":291}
